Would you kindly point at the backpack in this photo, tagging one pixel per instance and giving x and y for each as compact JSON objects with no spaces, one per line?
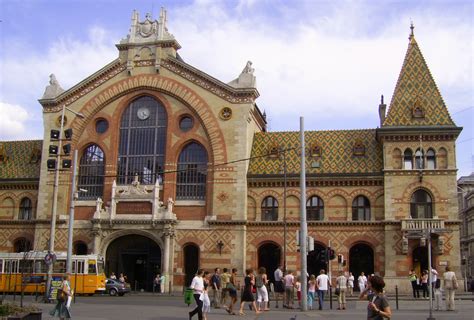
{"x":259,"y":281}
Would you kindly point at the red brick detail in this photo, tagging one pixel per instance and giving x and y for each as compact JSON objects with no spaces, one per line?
{"x":84,"y":213}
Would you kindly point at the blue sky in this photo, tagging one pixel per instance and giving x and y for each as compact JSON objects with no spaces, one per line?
{"x":328,"y":61}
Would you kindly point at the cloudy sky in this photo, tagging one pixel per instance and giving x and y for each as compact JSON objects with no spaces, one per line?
{"x":328,"y":61}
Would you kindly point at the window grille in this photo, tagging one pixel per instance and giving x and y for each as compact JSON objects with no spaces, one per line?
{"x":269,"y":209}
{"x":361,"y":208}
{"x":192,"y":173}
{"x":314,"y":208}
{"x":91,"y":173}
{"x":142,"y":141}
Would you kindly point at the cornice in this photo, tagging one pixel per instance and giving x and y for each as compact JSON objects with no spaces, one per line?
{"x":209,"y":83}
{"x":108,"y":222}
{"x":429,"y":133}
{"x":416,"y":172}
{"x":30,"y":222}
{"x":258,"y":181}
{"x":9,"y":184}
{"x":297,"y":223}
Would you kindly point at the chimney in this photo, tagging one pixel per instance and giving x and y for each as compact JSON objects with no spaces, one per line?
{"x":382,"y":108}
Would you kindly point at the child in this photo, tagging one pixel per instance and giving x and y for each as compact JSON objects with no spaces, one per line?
{"x":438,"y":294}
{"x":298,"y":290}
{"x":312,"y":287}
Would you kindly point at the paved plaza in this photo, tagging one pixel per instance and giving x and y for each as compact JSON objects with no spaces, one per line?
{"x":151,"y":307}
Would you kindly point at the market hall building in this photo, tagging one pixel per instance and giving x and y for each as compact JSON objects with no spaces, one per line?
{"x":164,"y":184}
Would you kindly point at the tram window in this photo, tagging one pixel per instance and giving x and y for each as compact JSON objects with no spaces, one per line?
{"x":40,"y":266}
{"x":26,"y":266}
{"x":11,"y":266}
{"x":80,"y":266}
{"x":59,"y":266}
{"x":92,"y":269}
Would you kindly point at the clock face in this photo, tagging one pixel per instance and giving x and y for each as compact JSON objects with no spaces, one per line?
{"x":143,"y":113}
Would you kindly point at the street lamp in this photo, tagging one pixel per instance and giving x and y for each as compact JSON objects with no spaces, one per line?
{"x":59,"y":137}
{"x":284,"y":210}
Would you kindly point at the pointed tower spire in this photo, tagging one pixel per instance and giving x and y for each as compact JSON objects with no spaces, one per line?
{"x":416,"y":100}
{"x":412,"y":27}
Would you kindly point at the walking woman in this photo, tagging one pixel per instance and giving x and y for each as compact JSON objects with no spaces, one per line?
{"x":206,"y":302}
{"x":261,"y":282}
{"x":198,"y":287}
{"x":232,"y":289}
{"x":378,"y":307}
{"x":247,"y":295}
{"x":64,"y":292}
{"x":312,"y":288}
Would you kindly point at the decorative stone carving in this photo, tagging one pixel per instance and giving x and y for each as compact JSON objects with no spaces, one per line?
{"x":170,"y":205}
{"x":246,"y":78}
{"x":441,"y":242}
{"x":405,"y":245}
{"x":53,"y":89}
{"x":133,"y":190}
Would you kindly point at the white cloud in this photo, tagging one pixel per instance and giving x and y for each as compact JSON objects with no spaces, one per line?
{"x":12,"y":121}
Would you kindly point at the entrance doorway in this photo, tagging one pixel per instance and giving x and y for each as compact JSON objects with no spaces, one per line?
{"x":361,"y":259}
{"x":191,"y":262}
{"x":316,"y":260}
{"x":269,"y":257}
{"x":420,"y":259}
{"x":137,"y":257}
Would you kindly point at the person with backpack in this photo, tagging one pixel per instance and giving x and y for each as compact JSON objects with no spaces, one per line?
{"x":261,"y":282}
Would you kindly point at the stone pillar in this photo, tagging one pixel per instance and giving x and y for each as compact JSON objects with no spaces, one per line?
{"x":168,"y":234}
{"x":96,"y":241}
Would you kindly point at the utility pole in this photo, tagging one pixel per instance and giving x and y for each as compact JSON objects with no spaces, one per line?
{"x":303,"y":226}
{"x":71,"y":215}
{"x":285,"y":229}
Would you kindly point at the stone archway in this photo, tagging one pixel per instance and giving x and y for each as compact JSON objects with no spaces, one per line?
{"x":269,"y":257}
{"x":136,"y":256}
{"x":191,"y":262}
{"x":361,"y":259}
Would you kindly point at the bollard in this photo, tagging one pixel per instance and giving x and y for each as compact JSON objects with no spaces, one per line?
{"x":330,"y":297}
{"x":396,"y":296}
{"x":169,"y":288}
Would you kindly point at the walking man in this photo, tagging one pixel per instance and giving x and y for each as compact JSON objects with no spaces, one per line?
{"x":198,"y":287}
{"x":216,"y":288}
{"x":279,"y":287}
{"x":450,"y":286}
{"x":323,"y":285}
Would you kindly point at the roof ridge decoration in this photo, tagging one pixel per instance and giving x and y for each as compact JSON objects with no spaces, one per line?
{"x":149,"y":30}
{"x":416,"y":100}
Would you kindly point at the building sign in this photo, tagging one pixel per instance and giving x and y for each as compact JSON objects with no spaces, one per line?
{"x":134,"y":208}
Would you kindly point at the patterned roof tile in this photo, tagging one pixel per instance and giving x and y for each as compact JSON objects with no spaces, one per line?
{"x":20,"y":159}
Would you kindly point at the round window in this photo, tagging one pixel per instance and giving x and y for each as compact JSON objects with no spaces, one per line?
{"x":186,"y":123}
{"x":101,"y":125}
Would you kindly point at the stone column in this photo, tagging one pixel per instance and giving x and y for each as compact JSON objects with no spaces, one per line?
{"x":97,"y":235}
{"x":168,"y":234}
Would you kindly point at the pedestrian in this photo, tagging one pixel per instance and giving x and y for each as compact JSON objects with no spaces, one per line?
{"x":438,"y":294}
{"x":414,"y":283}
{"x":247,"y":295}
{"x":323,"y":284}
{"x":225,"y":278}
{"x":216,"y":288}
{"x":157,"y":284}
{"x":378,"y":307}
{"x":122,"y":278}
{"x":162,"y":283}
{"x":279,"y":287}
{"x":113,"y":276}
{"x":232,"y":289}
{"x":289,"y":281}
{"x":424,"y":284}
{"x":261,"y":282}
{"x":450,"y":285}
{"x":434,"y":278}
{"x":312,"y":287}
{"x":341,"y":284}
{"x":298,"y":290}
{"x":198,"y":287}
{"x":64,"y":293}
{"x":206,"y":302}
{"x":362,"y":281}
{"x":350,"y":283}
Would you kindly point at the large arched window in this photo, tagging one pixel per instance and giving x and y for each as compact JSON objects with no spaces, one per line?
{"x":408,"y":159}
{"x":421,"y":205}
{"x":314,"y":208}
{"x":80,"y":248}
{"x":269,"y":209}
{"x":142,"y":141}
{"x":26,"y":209}
{"x":419,"y":161}
{"x":360,"y":208}
{"x":192,"y":173}
{"x":22,"y":245}
{"x":91,"y":173}
{"x":430,"y":159}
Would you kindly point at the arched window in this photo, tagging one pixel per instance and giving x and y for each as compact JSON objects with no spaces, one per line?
{"x":314,"y":208}
{"x":142,"y":141}
{"x":360,"y":208}
{"x":408,"y":159}
{"x":80,"y":248}
{"x":421,"y":205}
{"x":269,"y":209}
{"x":26,"y":209}
{"x":192,"y":173}
{"x":430,"y":159}
{"x":91,"y":173}
{"x":419,"y":161}
{"x":22,"y":245}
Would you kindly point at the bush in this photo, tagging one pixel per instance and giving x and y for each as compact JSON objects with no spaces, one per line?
{"x":8,"y":309}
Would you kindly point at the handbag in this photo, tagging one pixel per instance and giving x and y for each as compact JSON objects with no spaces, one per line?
{"x":61,"y":295}
{"x":337,"y":292}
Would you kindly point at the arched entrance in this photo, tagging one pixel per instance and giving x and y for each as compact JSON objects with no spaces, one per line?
{"x":137,"y":257}
{"x":361,"y":259}
{"x":420,"y":259}
{"x":316,"y":259}
{"x":191,"y":262}
{"x":269,"y":257}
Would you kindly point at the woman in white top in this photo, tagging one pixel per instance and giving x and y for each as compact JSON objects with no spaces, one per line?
{"x":198,"y":287}
{"x":350,"y":283}
{"x":262,"y":294}
{"x":312,"y":287}
{"x":63,"y":294}
{"x":362,"y":280}
{"x":341,"y":284}
{"x":450,"y":285}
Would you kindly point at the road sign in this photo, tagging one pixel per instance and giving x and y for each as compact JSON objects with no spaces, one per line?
{"x":50,"y":258}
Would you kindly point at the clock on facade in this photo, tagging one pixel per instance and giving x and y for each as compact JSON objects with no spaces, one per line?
{"x":143,"y":113}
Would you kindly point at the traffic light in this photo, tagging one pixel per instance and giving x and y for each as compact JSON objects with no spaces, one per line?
{"x":66,"y":149}
{"x":51,"y":164}
{"x":340,"y":259}
{"x":331,"y":254}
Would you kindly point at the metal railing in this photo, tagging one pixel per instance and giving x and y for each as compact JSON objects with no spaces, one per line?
{"x":422,"y":224}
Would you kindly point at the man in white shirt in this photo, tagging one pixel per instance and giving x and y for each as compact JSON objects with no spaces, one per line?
{"x":198,"y":287}
{"x":362,"y":280}
{"x":279,"y":287}
{"x":323,"y":285}
{"x":434,"y":278}
{"x":450,"y":285}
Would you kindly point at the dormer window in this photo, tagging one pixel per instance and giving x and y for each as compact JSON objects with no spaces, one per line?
{"x":316,"y":151}
{"x":417,"y":111}
{"x":358,"y":149}
{"x":274,"y":151}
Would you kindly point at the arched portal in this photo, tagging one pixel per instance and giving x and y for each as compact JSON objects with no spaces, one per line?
{"x":361,"y":259}
{"x":191,"y":262}
{"x":269,"y":257}
{"x":316,"y":259}
{"x":137,"y":257}
{"x":420,"y":259}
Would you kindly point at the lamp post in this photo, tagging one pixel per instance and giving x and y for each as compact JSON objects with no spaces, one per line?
{"x":71,"y":215}
{"x":284,"y":210}
{"x":52,"y":231}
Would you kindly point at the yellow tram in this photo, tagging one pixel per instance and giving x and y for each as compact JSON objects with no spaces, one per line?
{"x":28,"y":271}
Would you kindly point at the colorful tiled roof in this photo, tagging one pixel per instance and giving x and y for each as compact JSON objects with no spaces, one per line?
{"x":337,"y":152}
{"x":20,"y":159}
{"x":416,"y":88}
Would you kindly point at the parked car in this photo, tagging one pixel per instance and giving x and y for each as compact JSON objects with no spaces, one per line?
{"x":115,"y":287}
